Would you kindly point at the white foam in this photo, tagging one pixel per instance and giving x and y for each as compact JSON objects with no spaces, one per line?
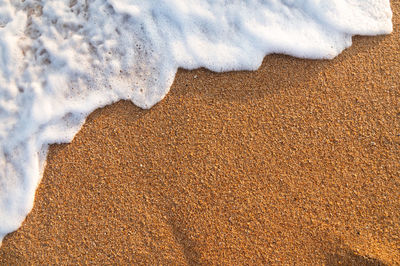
{"x":61,"y":59}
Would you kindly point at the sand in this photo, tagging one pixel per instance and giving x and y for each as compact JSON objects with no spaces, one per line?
{"x":298,"y":162}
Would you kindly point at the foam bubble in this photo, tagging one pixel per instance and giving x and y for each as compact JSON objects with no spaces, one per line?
{"x":61,"y":59}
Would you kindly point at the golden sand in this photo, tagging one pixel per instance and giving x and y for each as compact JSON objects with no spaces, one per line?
{"x":298,"y":162}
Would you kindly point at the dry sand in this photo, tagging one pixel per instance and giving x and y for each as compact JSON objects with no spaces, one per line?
{"x":298,"y":162}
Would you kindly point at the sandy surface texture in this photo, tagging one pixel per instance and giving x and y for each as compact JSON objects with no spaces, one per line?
{"x":298,"y":162}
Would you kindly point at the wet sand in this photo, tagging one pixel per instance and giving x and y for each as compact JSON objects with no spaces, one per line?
{"x":298,"y":162}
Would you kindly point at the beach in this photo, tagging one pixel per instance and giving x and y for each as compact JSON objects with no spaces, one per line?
{"x":295,"y":163}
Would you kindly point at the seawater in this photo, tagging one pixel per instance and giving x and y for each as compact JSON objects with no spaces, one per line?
{"x":62,"y":59}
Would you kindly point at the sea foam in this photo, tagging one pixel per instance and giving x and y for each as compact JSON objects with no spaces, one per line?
{"x":62,"y":59}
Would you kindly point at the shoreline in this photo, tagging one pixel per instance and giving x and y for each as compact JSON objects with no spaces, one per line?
{"x":296,"y":162}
